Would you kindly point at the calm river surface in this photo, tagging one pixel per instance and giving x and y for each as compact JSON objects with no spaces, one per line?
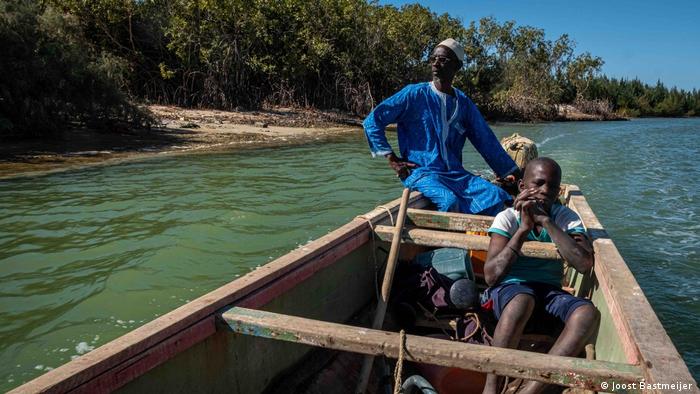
{"x":88,"y":255}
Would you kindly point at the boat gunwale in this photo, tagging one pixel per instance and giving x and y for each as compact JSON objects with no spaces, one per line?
{"x":645,"y":341}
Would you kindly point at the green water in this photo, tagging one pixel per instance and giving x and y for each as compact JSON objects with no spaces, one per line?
{"x":86,"y":256}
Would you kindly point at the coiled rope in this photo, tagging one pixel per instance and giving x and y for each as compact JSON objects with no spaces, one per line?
{"x":399,"y":363}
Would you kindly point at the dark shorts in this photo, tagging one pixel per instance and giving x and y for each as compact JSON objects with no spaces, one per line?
{"x":552,"y":299}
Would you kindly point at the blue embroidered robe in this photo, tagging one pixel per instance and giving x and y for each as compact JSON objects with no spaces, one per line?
{"x":434,"y":141}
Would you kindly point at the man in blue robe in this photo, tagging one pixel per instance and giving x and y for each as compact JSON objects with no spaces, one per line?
{"x":434,"y":120}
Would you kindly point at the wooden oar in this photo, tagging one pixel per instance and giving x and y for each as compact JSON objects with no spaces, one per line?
{"x":386,"y":288}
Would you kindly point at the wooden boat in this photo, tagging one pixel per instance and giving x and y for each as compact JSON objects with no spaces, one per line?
{"x":291,"y":324}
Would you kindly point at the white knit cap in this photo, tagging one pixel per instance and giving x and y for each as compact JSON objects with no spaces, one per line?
{"x":455,"y":47}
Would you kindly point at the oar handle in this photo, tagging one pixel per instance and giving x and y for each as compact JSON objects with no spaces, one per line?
{"x":379,"y":314}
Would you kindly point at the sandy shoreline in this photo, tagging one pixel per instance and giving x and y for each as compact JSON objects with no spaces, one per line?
{"x":183,"y":131}
{"x":186,"y":131}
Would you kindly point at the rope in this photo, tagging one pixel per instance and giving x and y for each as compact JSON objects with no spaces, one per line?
{"x":374,"y":260}
{"x":374,"y":253}
{"x":388,"y":211}
{"x":399,"y":363}
{"x":476,"y":329}
{"x":374,"y":246}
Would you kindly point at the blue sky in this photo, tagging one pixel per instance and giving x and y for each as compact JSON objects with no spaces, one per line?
{"x":646,"y":39}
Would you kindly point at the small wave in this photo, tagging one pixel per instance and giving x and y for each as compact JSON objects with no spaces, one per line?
{"x":548,"y":139}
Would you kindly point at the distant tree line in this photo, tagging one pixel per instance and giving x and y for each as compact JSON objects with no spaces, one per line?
{"x":84,"y":62}
{"x":633,"y":98}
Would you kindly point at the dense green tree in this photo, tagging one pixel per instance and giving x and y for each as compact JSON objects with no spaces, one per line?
{"x":48,"y":81}
{"x":345,"y":54}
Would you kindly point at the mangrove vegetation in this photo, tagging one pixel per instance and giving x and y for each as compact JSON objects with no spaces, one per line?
{"x":77,"y":62}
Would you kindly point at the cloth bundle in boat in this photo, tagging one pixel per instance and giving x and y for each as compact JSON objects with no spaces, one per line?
{"x":437,"y":281}
{"x":520,"y":149}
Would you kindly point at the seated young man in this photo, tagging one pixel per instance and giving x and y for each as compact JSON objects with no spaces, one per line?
{"x":519,"y":285}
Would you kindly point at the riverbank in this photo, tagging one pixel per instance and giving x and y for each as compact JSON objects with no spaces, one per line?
{"x":571,"y":113}
{"x":184,"y":130}
{"x":181,"y":131}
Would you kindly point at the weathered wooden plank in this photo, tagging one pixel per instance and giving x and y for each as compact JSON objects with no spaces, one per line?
{"x":644,"y":339}
{"x":449,"y":221}
{"x":260,"y":285}
{"x":444,"y":239}
{"x":567,"y":371}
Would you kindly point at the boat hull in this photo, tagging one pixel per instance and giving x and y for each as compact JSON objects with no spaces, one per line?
{"x":333,"y":279}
